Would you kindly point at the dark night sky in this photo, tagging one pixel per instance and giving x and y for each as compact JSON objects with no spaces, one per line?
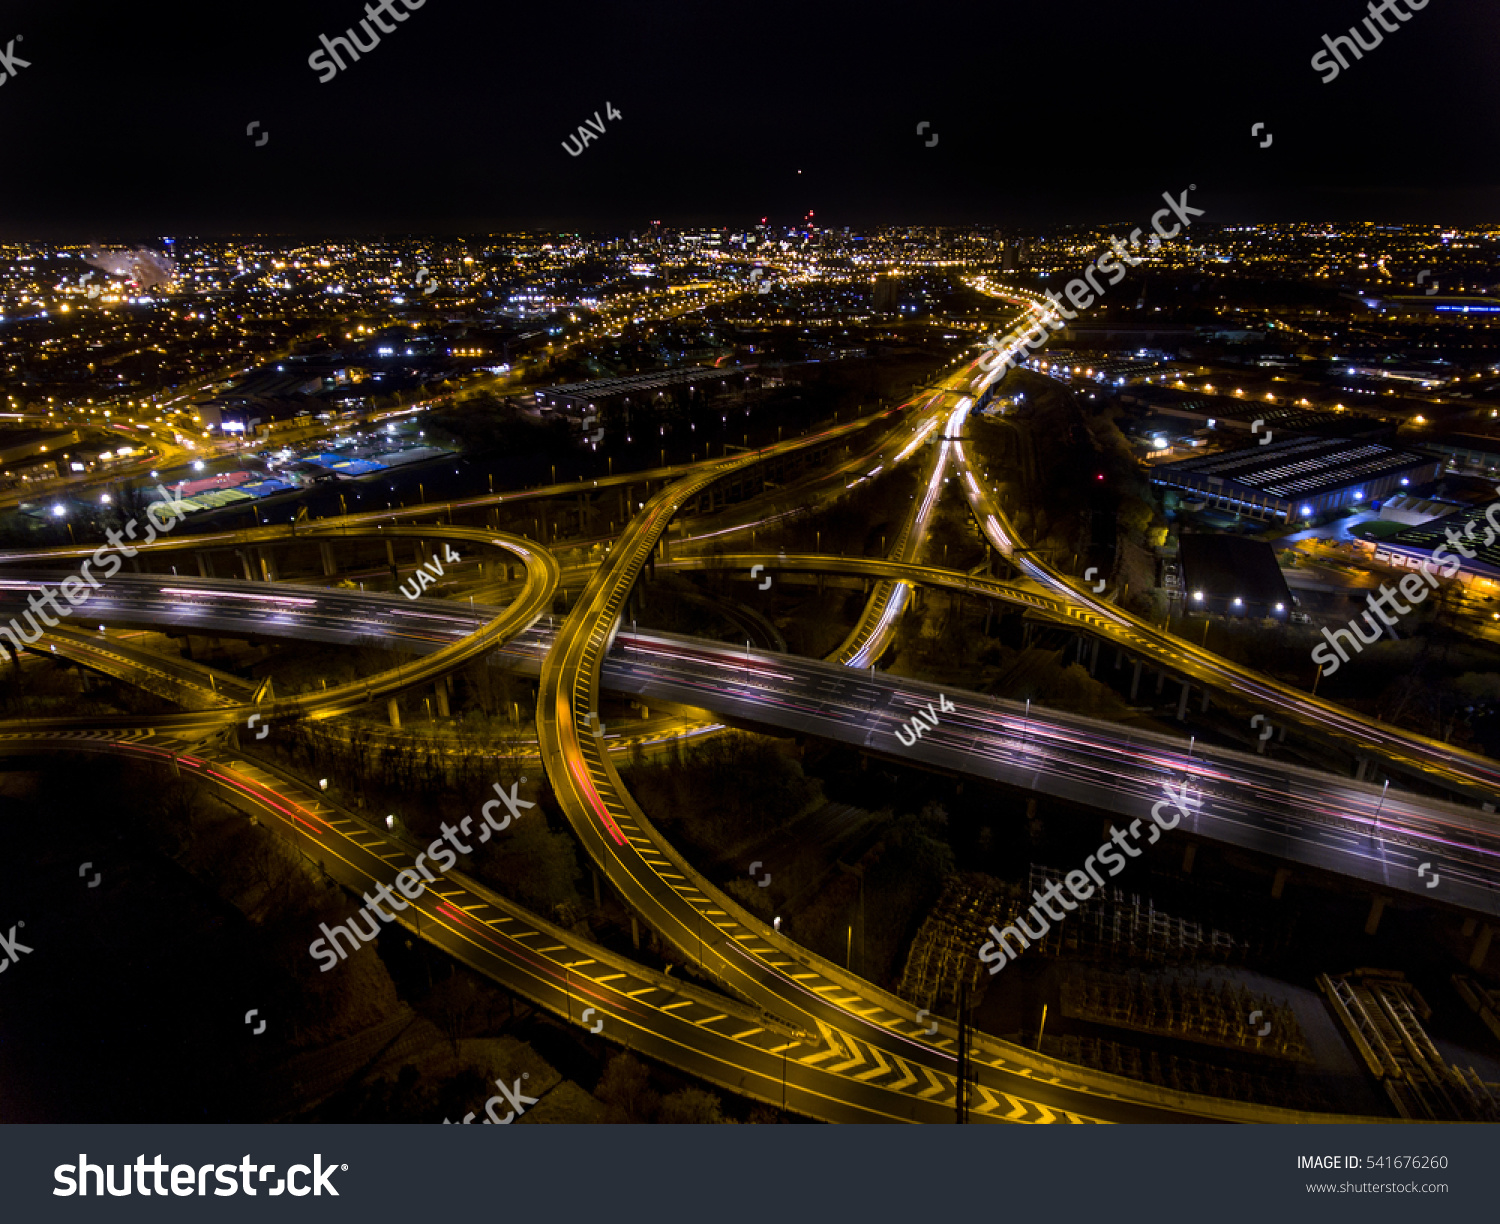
{"x":130,"y":122}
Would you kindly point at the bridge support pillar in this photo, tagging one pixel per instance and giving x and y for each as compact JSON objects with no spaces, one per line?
{"x":390,"y":552}
{"x":329,"y":567}
{"x":267,"y":564}
{"x":204,"y":570}
{"x":1094,"y":658}
{"x":635,"y":933}
{"x":1481,"y":947}
{"x":1363,"y":763}
{"x":1278,"y":885}
{"x":442,"y":699}
{"x":820,"y":584}
{"x":1119,"y":658}
{"x":1205,"y":701}
{"x":1182,"y":700}
{"x":1135,"y":680}
{"x":1377,"y":908}
{"x":416,"y":548}
{"x":1188,"y":855}
{"x":1161,"y":681}
{"x":245,"y":561}
{"x":393,"y":712}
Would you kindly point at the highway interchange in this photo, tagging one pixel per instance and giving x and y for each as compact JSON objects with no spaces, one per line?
{"x":876,"y":1060}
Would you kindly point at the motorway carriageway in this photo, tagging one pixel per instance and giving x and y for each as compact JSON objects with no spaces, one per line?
{"x":1285,"y":811}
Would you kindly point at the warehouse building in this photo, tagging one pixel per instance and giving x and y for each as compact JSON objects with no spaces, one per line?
{"x":1299,"y":478}
{"x":1232,"y":576}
